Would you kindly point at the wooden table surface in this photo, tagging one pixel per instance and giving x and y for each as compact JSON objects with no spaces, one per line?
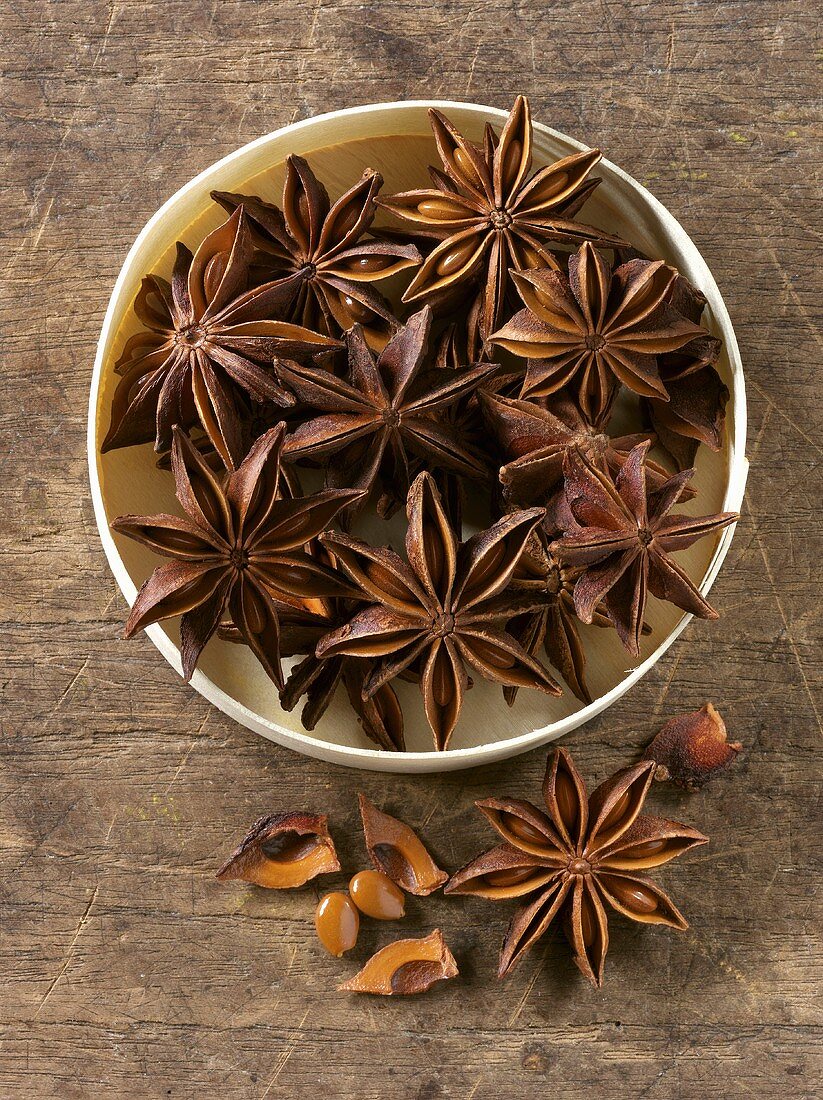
{"x":127,"y":970}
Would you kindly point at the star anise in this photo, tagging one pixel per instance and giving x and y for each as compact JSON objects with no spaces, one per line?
{"x":207,"y":337}
{"x":552,"y":623}
{"x":384,"y":413}
{"x":445,"y":609}
{"x":326,"y":245}
{"x":491,"y":215}
{"x":594,"y":329}
{"x":237,"y":549}
{"x":696,"y":407}
{"x":584,"y":855}
{"x":623,"y":536}
{"x":534,"y":438}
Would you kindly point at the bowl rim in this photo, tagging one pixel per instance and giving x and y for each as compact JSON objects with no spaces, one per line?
{"x":430,"y":761}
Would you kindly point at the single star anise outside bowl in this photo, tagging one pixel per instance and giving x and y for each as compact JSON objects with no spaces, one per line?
{"x":396,"y":142}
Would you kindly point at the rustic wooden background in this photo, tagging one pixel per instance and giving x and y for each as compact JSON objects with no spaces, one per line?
{"x":127,"y":971}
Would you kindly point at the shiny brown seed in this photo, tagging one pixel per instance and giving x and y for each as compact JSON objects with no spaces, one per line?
{"x":456,"y":257}
{"x":383,"y":579}
{"x":523,"y":829}
{"x":356,"y":310}
{"x":434,"y":552}
{"x":346,"y":220}
{"x":337,"y":923}
{"x":487,"y":568}
{"x":442,"y":680}
{"x":437,"y":210}
{"x":566,"y":794}
{"x":509,"y":876}
{"x":552,"y":186}
{"x":632,"y":896}
{"x":490,"y":655}
{"x":639,"y":851}
{"x":466,"y":166}
{"x":618,"y":810}
{"x":370,"y":263}
{"x":377,"y":896}
{"x":512,"y":163}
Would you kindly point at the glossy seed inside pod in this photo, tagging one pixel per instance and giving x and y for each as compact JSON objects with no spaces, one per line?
{"x":456,"y":257}
{"x":337,"y":923}
{"x":509,"y":876}
{"x":377,"y":896}
{"x":522,"y":829}
{"x":635,"y":897}
{"x":640,"y":851}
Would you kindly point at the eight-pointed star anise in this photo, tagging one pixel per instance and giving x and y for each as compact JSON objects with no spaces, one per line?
{"x":623,"y":536}
{"x":324,"y":244}
{"x":445,"y":609}
{"x":587,"y":853}
{"x":534,"y":438}
{"x":237,"y":550}
{"x":207,"y":336}
{"x":492,"y":215}
{"x":384,"y":413}
{"x":595,"y":328}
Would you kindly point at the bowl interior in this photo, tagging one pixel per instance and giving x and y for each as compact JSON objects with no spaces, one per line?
{"x":396,"y":140}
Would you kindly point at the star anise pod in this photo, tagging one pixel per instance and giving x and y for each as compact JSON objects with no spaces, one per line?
{"x":237,"y":549}
{"x":595,"y":328}
{"x":385,"y":412}
{"x":492,"y":216}
{"x":445,"y":609}
{"x":552,"y":622}
{"x":585,"y":854}
{"x":327,"y":246}
{"x":623,"y":537}
{"x":207,"y":338}
{"x":696,"y":408}
{"x":535,"y":437}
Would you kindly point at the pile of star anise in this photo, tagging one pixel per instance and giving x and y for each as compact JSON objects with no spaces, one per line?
{"x":271,"y":355}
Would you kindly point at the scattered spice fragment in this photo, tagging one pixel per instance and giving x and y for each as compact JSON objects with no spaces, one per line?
{"x":337,"y":923}
{"x":377,"y":896}
{"x":282,"y":851}
{"x":584,"y":853}
{"x":397,"y":851}
{"x":692,"y":748}
{"x":405,"y":967}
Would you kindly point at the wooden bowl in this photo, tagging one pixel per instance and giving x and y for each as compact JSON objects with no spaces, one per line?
{"x":395,"y":139}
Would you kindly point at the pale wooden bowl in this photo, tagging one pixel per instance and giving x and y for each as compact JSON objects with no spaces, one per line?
{"x":395,"y":139}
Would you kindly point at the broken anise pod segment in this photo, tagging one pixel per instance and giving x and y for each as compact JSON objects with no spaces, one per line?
{"x":405,"y":967}
{"x":337,"y":923}
{"x":397,"y":851}
{"x":377,"y":896}
{"x":283,"y":851}
{"x":691,"y":748}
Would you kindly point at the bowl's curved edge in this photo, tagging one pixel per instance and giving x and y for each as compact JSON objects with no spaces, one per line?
{"x":454,"y":759}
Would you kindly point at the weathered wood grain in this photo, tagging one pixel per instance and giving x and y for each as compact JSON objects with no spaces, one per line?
{"x":127,"y":971}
